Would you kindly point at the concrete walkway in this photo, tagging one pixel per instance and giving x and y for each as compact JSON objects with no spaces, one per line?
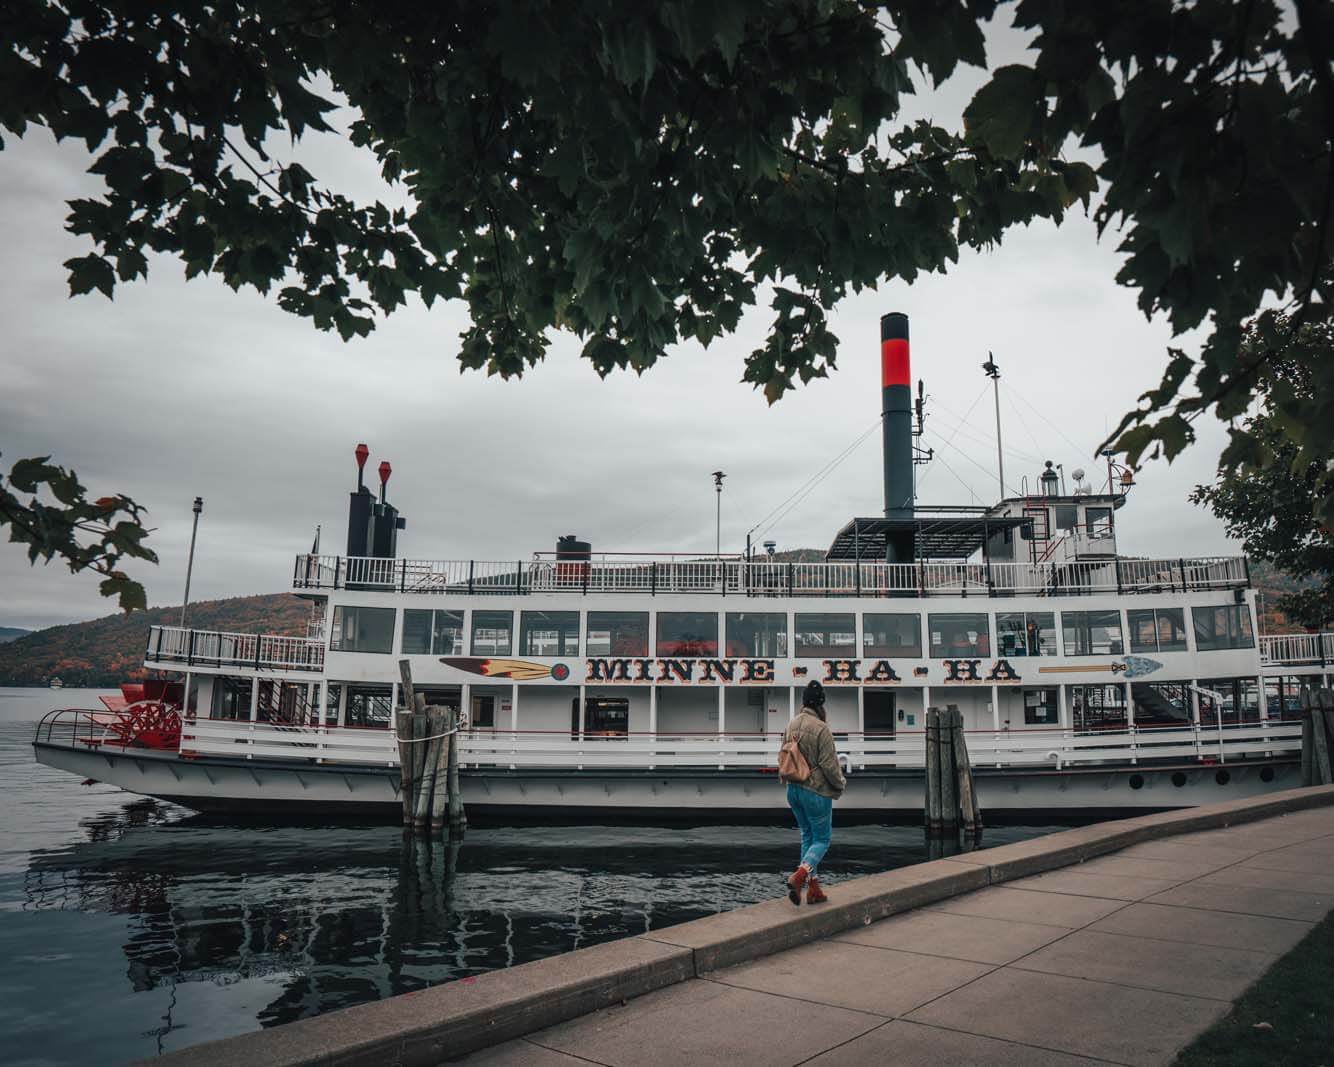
{"x":1121,"y":959}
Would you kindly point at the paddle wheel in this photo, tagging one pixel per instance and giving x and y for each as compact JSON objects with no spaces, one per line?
{"x":145,"y":715}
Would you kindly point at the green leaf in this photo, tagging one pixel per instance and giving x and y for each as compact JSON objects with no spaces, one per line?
{"x":1002,"y":112}
{"x":90,"y":272}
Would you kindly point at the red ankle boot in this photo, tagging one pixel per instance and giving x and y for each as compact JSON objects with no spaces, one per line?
{"x":795,"y":882}
{"x":814,"y":894}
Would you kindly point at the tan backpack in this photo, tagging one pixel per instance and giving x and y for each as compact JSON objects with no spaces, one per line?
{"x":792,"y":765}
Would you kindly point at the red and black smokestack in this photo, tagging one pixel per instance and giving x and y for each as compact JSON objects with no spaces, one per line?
{"x":896,"y":396}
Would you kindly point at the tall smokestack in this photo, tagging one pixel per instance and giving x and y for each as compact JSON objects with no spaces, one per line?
{"x":896,"y":395}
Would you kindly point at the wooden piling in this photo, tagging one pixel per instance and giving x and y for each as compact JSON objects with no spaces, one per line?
{"x":970,"y":813}
{"x":949,"y":795}
{"x":458,"y":817}
{"x":932,"y":806}
{"x":445,"y":786}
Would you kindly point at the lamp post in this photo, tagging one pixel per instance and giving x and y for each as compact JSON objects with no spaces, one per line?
{"x":197,"y":507}
{"x":718,"y":477}
{"x":993,"y":372}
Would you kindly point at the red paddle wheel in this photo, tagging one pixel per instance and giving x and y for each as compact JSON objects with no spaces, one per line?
{"x":147,"y":716}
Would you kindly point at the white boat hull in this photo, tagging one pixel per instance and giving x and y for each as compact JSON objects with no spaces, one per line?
{"x":280,"y":790}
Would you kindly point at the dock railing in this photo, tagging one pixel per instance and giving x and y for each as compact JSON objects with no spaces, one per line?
{"x":173,"y":647}
{"x":736,"y":576}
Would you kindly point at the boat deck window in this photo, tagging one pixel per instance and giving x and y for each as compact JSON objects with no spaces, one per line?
{"x":888,"y":636}
{"x":492,"y":633}
{"x":1041,"y":707}
{"x":617,"y":633}
{"x":1092,"y":633}
{"x":358,"y":629}
{"x":369,"y":706}
{"x":757,"y":633}
{"x":549,"y":633}
{"x":959,"y":635}
{"x":1226,"y":626}
{"x":1026,"y":633}
{"x":1098,"y":707}
{"x":825,"y":634}
{"x":1157,"y":629}
{"x":1240,"y":702}
{"x":687,"y":633}
{"x":437,"y":633}
{"x":603,"y":716}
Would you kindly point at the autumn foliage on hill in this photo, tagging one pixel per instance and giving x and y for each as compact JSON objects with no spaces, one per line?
{"x":110,"y":650}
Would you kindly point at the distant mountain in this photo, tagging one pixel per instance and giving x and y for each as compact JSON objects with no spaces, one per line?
{"x":12,"y":633}
{"x":110,"y":650}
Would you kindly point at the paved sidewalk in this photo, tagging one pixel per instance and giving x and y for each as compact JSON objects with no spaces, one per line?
{"x":1123,"y":959}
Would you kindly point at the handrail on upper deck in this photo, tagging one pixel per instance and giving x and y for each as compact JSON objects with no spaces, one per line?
{"x":730,"y":576}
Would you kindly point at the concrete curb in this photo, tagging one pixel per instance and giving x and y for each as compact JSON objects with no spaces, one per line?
{"x":456,"y":1018}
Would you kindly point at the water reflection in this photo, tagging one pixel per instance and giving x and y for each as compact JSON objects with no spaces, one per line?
{"x":333,"y":916}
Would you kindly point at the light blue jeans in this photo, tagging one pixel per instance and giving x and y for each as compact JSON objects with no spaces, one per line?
{"x":815,"y":818}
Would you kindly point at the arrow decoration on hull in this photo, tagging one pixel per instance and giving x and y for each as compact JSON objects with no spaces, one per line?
{"x":517,"y":670}
{"x":1133,"y":667}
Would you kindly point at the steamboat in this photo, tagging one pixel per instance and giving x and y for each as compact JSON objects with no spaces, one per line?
{"x":600,"y":687}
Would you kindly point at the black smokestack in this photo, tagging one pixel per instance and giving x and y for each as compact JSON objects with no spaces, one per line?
{"x":896,"y":394}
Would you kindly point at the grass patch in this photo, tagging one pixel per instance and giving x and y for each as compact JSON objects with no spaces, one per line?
{"x":1295,"y":997}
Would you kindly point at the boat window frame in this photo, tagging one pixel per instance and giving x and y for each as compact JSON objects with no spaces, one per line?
{"x":473,"y":627}
{"x":1050,"y":647}
{"x":646,"y":617}
{"x":887,"y":651}
{"x":830,"y":630}
{"x":708,"y":646}
{"x":338,"y":624}
{"x":1078,"y":632}
{"x":1139,"y":615}
{"x":737,"y":617}
{"x":981,"y":646}
{"x":1239,"y":630}
{"x":572,"y":623}
{"x":434,"y":631}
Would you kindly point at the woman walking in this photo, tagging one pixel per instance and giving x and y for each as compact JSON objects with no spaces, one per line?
{"x":811,"y":797}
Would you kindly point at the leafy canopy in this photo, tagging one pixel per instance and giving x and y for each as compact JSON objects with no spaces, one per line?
{"x":59,"y":520}
{"x":636,"y":173}
{"x":1268,"y":493}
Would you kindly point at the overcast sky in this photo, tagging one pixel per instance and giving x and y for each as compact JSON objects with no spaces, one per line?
{"x":179,"y":389}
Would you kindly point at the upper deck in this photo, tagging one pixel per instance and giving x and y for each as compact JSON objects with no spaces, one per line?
{"x":651,"y":575}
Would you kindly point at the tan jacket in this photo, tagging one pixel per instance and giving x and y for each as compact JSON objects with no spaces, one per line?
{"x":816,"y":742}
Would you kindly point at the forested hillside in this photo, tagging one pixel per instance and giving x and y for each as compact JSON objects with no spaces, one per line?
{"x":110,"y":650}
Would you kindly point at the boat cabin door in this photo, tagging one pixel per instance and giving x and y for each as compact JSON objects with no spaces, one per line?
{"x":878,"y":710}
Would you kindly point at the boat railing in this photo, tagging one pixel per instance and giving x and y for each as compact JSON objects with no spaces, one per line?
{"x":735,"y":576}
{"x":171,"y":646}
{"x":1297,"y":649}
{"x":75,"y":727}
{"x":1205,"y":743}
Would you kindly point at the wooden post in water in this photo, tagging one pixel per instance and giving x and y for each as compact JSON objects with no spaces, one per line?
{"x":949,"y":796}
{"x":458,"y":818}
{"x":403,"y":727}
{"x":970,"y":812}
{"x":932,"y":806}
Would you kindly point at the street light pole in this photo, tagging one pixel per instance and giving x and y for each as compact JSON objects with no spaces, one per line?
{"x":190,"y":565}
{"x":718,"y":477}
{"x":993,"y":372}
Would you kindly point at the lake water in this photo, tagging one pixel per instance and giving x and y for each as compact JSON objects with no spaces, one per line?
{"x":130,"y":927}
